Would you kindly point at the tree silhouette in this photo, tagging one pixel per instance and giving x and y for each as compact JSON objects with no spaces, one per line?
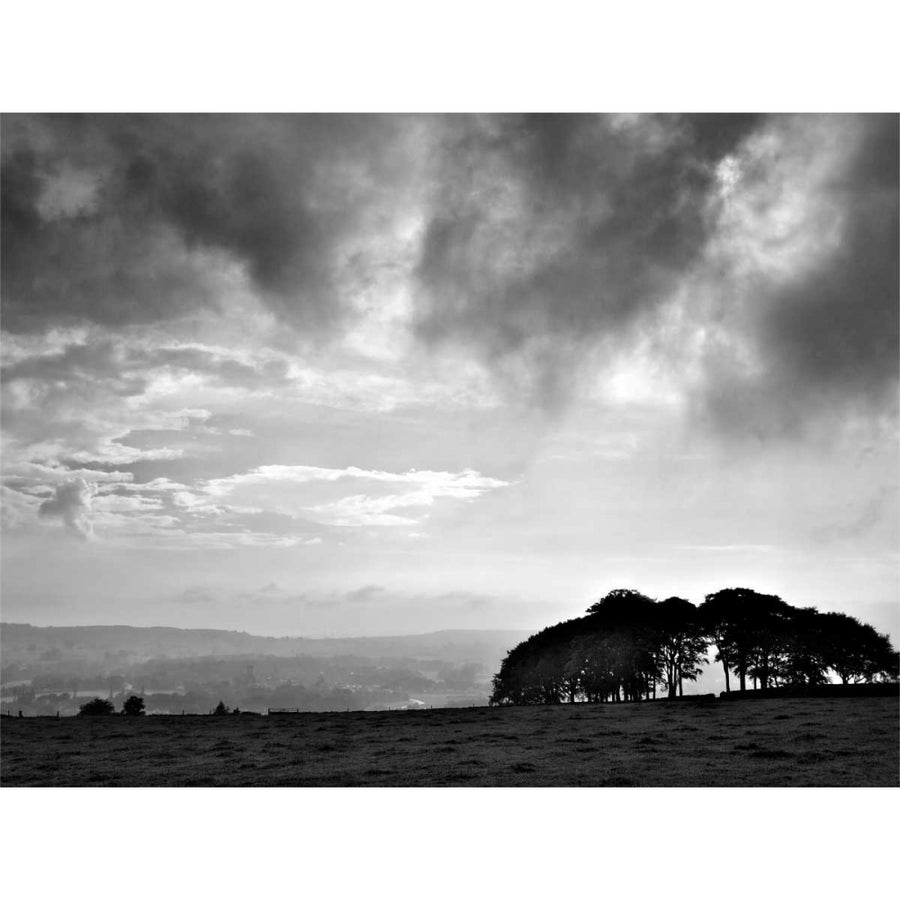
{"x":682,"y":642}
{"x":609,"y":654}
{"x":591,"y":662}
{"x":625,"y":619}
{"x":96,"y":707}
{"x":745,"y":627}
{"x":133,"y":706}
{"x":627,"y":643}
{"x":854,"y":650}
{"x":799,"y":656}
{"x":221,"y":710}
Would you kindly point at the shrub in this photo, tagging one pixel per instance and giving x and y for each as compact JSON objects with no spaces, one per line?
{"x":96,"y":707}
{"x":133,"y":706}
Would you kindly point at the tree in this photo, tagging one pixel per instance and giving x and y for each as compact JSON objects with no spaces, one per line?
{"x":608,"y":654}
{"x":221,"y":710}
{"x":622,"y":605}
{"x":745,"y":626}
{"x":133,"y":706}
{"x":96,"y":707}
{"x":799,"y":654}
{"x":539,"y":669}
{"x":856,"y":651}
{"x":681,"y":642}
{"x":589,"y":661}
{"x":626,"y":621}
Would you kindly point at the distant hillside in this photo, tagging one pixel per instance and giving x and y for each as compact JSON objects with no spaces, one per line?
{"x":28,"y":644}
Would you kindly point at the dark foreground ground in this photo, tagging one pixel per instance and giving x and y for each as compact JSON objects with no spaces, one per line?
{"x":778,"y":742}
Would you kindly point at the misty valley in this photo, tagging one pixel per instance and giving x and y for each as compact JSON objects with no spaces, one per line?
{"x":54,"y":670}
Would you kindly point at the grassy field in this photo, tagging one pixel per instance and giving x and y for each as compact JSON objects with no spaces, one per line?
{"x":778,"y":742}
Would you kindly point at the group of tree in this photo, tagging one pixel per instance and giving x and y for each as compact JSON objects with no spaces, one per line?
{"x":628,"y":644}
{"x":133,"y":706}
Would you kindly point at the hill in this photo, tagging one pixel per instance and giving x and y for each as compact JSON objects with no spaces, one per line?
{"x":21,"y":643}
{"x":826,"y":742}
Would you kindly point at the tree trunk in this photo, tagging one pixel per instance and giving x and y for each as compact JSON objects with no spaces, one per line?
{"x":727,"y":679}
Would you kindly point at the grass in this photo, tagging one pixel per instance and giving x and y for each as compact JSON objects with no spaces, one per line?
{"x":826,"y":742}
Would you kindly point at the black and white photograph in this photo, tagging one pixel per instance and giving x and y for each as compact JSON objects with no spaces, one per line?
{"x":441,"y":449}
{"x":449,"y":448}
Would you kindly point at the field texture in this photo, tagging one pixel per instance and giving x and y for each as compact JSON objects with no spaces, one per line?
{"x":778,"y":742}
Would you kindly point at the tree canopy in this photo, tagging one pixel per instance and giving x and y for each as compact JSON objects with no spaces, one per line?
{"x":96,"y":707}
{"x":133,"y":706}
{"x":627,"y":643}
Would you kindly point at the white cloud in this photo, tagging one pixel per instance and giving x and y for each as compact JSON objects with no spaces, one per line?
{"x":362,"y":510}
{"x":44,"y":474}
{"x":414,"y":488}
{"x":121,"y":455}
{"x":463,"y":485}
{"x":119,"y":504}
{"x":157,"y":484}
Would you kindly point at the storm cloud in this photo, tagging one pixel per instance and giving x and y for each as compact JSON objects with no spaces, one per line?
{"x":554,"y":237}
{"x":549,"y":231}
{"x":163,"y":205}
{"x":751,"y":259}
{"x":819,"y":331}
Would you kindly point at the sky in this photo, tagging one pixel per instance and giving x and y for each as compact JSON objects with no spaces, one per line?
{"x":350,"y":375}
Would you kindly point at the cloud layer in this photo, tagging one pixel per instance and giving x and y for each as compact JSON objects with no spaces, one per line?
{"x":285,"y":331}
{"x":754,"y":257}
{"x":120,"y":219}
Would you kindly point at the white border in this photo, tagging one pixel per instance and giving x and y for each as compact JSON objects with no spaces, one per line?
{"x":461,"y":56}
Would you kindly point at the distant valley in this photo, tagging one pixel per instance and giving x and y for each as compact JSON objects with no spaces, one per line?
{"x":53,"y":669}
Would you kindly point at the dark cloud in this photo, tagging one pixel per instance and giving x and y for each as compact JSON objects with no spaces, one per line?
{"x":547,"y":231}
{"x":553,"y":237}
{"x":827,"y":339}
{"x":178,"y":196}
{"x":838,"y":326}
{"x":103,"y":265}
{"x":71,"y":502}
{"x":545,"y":241}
